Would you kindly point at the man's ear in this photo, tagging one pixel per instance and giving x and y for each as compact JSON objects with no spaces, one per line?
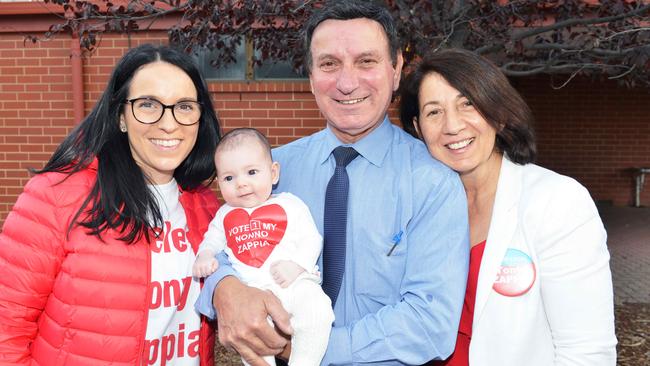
{"x":397,"y":73}
{"x":311,"y":86}
{"x":275,"y":172}
{"x":311,"y":82}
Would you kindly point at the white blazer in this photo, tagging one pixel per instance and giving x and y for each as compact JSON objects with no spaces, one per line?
{"x":552,"y":302}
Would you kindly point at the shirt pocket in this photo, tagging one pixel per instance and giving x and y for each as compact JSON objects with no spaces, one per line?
{"x":374,"y":223}
{"x":378,"y":276}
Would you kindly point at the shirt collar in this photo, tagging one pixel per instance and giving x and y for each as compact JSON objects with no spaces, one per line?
{"x":372,"y":147}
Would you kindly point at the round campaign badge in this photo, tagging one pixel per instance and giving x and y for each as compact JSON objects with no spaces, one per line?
{"x":516,"y":274}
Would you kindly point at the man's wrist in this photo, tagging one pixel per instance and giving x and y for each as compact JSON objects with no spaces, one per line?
{"x":224,"y":285}
{"x":205,"y":303}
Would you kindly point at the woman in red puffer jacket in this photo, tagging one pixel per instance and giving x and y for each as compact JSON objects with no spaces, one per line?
{"x":96,"y":255}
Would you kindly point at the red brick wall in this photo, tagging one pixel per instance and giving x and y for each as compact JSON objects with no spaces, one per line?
{"x":283,"y":111}
{"x":594,"y":132}
{"x":591,"y":131}
{"x":35,"y":108}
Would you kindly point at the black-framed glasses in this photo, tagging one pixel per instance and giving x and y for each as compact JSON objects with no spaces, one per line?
{"x":149,"y":111}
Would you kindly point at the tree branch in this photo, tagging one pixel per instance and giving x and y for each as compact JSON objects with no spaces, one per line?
{"x":578,"y":48}
{"x":572,"y":22}
{"x":628,"y":31}
{"x":568,"y":79}
{"x":623,"y":74}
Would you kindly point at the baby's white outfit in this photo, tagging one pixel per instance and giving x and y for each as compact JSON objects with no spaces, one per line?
{"x":282,"y":228}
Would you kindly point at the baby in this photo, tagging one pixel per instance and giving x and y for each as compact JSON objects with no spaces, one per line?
{"x":270,"y":239}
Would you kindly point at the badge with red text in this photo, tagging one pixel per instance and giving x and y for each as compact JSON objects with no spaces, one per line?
{"x":253,"y":237}
{"x":516,"y":274}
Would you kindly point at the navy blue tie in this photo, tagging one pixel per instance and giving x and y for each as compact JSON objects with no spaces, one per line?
{"x":335,"y":222}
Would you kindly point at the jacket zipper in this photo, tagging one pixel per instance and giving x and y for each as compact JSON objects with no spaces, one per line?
{"x":146,"y":307}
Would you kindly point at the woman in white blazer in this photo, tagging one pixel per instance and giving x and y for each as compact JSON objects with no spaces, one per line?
{"x":539,"y":290}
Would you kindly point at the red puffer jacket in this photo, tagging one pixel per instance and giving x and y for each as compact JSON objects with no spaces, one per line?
{"x":76,"y":300}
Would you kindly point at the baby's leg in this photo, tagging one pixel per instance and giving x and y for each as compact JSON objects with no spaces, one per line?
{"x":312,"y":318}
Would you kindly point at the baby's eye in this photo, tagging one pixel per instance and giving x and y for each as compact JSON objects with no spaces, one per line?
{"x":227,"y":178}
{"x":252,"y":172}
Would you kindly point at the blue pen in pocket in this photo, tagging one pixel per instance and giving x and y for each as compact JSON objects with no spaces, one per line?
{"x":396,"y":239}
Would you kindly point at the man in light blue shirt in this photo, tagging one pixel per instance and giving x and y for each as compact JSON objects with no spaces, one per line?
{"x":407,"y":236}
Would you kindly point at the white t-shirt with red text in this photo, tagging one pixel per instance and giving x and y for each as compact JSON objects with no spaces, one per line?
{"x":173,"y":324}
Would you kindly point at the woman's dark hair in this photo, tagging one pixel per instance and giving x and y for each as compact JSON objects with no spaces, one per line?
{"x":348,"y":10}
{"x":487,"y":88}
{"x":120,"y":198}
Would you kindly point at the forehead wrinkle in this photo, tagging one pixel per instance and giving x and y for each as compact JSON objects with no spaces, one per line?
{"x":340,"y":52}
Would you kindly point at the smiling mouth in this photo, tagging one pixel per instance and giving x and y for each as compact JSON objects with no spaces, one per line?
{"x":460,"y":144}
{"x":351,"y":101}
{"x":166,"y":143}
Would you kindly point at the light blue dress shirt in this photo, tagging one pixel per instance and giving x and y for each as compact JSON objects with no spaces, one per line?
{"x":397,"y":309}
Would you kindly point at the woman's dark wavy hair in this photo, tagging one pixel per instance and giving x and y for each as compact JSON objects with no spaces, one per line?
{"x":487,"y":88}
{"x":120,"y":198}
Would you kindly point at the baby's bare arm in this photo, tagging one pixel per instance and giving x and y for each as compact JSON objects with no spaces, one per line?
{"x":205,"y":264}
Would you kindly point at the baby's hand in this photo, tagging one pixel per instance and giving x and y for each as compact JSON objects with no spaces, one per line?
{"x":205,"y":264}
{"x":285,"y":272}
